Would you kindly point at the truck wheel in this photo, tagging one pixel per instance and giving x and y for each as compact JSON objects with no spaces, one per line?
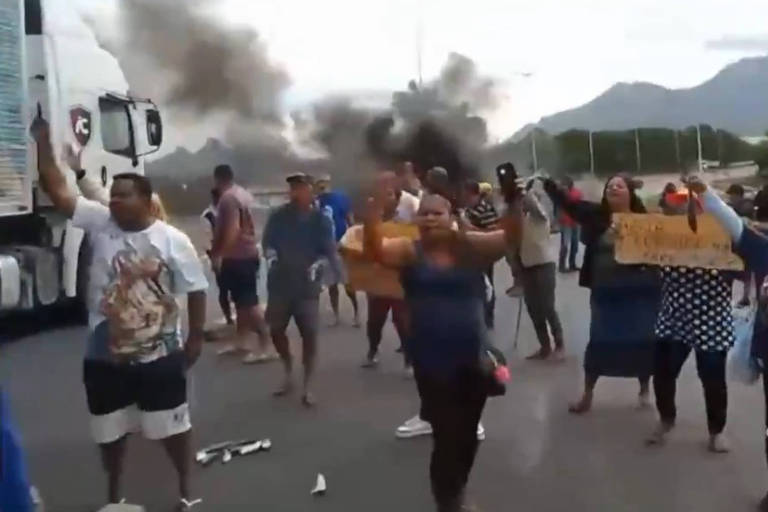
{"x":80,"y":302}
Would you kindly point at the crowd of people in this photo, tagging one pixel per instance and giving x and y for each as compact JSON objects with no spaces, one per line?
{"x":645,"y":320}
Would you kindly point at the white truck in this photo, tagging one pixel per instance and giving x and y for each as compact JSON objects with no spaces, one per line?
{"x":63,"y":75}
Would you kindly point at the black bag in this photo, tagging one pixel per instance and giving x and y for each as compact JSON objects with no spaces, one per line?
{"x":493,"y":370}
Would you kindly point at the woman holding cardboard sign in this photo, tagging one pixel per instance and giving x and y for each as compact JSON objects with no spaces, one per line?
{"x":624,"y":298}
{"x":442,"y":276}
{"x":752,"y":246}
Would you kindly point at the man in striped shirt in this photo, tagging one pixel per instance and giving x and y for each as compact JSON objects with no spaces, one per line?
{"x":482,"y":216}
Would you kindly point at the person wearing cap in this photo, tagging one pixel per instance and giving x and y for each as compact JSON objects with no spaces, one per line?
{"x":482,"y":216}
{"x":337,"y":207}
{"x":235,"y":257}
{"x":297,"y":239}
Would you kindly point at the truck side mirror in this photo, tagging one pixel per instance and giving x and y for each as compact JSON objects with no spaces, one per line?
{"x":154,"y":128}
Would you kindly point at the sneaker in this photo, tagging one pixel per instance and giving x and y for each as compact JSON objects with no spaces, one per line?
{"x":414,"y":427}
{"x":480,"y":432}
{"x":371,"y":361}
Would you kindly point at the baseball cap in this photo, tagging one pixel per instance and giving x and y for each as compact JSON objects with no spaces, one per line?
{"x":299,"y":177}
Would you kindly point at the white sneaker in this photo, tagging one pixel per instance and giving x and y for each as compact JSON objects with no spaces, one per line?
{"x":480,"y":432}
{"x":414,"y":427}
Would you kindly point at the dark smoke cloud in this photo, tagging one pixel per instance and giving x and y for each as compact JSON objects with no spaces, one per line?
{"x":436,"y":124}
{"x":208,"y":66}
{"x":198,"y":68}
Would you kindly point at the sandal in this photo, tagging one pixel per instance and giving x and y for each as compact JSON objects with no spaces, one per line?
{"x":185,"y":504}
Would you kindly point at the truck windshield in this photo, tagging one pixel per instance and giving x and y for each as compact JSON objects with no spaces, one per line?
{"x":116,"y":129}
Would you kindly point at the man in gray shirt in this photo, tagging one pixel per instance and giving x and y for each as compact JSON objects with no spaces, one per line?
{"x":296,"y":239}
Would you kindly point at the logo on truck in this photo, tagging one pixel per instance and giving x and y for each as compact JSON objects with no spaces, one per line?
{"x":81,"y":124}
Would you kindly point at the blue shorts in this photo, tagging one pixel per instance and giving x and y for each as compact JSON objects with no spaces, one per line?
{"x":241,"y":278}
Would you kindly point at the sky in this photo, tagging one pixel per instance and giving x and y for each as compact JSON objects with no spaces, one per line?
{"x":572,"y":49}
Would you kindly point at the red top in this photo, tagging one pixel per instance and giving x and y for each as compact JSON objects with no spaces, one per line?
{"x":573,"y":195}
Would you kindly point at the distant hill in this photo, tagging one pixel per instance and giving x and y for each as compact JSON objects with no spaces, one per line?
{"x":736,"y":99}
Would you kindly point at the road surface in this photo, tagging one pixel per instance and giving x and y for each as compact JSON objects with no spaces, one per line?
{"x":537,"y":457}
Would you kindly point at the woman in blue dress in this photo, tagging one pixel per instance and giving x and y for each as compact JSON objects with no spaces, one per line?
{"x":442,"y":277}
{"x":624,"y":299}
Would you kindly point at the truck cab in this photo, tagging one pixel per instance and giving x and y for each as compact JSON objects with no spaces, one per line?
{"x":58,"y":70}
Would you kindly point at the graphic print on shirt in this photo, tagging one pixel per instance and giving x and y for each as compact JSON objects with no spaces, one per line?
{"x":142,"y":314}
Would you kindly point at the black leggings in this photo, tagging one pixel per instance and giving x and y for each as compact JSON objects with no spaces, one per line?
{"x":669,"y":360}
{"x":378,"y":310}
{"x":453,"y":406}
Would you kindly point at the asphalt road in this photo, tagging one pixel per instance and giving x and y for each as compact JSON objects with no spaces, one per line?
{"x":536,"y":457}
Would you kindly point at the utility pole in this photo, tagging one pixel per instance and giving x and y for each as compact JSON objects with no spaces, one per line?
{"x":637,"y":148}
{"x":533,"y":151}
{"x":698,"y":143}
{"x":591,"y":154}
{"x":420,"y":50}
{"x":677,"y":150}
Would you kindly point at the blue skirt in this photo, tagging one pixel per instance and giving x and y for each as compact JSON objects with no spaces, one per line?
{"x":621,"y":332}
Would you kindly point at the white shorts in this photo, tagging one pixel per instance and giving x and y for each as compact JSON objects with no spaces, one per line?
{"x":124,"y":398}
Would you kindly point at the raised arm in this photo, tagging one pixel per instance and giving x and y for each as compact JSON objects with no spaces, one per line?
{"x":52,"y":180}
{"x":724,"y":214}
{"x":490,"y":246}
{"x":583,"y":212}
{"x":392,"y":252}
{"x":534,"y":207}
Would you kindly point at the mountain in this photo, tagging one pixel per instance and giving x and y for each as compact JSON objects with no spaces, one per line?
{"x":735,"y":100}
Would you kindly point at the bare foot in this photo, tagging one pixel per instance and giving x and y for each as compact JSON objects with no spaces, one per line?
{"x":284,"y":390}
{"x":558,"y":355}
{"x":308,"y":400}
{"x":718,"y":443}
{"x":659,"y":435}
{"x":644,"y":401}
{"x":763,"y":507}
{"x":540,"y":355}
{"x":583,"y":406}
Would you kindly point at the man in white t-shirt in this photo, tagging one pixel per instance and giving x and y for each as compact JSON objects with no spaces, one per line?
{"x":135,"y":361}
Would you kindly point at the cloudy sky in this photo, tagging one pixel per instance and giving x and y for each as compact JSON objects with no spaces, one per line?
{"x":575,"y":49}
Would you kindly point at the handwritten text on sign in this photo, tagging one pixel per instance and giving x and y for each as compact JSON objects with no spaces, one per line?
{"x":668,"y":240}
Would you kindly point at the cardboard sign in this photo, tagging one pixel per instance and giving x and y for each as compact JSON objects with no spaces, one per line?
{"x":668,"y":241}
{"x":367,"y":276}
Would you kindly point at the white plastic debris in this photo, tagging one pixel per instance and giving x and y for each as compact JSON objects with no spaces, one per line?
{"x":249,"y":448}
{"x":230,"y":449}
{"x":320,"y":486}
